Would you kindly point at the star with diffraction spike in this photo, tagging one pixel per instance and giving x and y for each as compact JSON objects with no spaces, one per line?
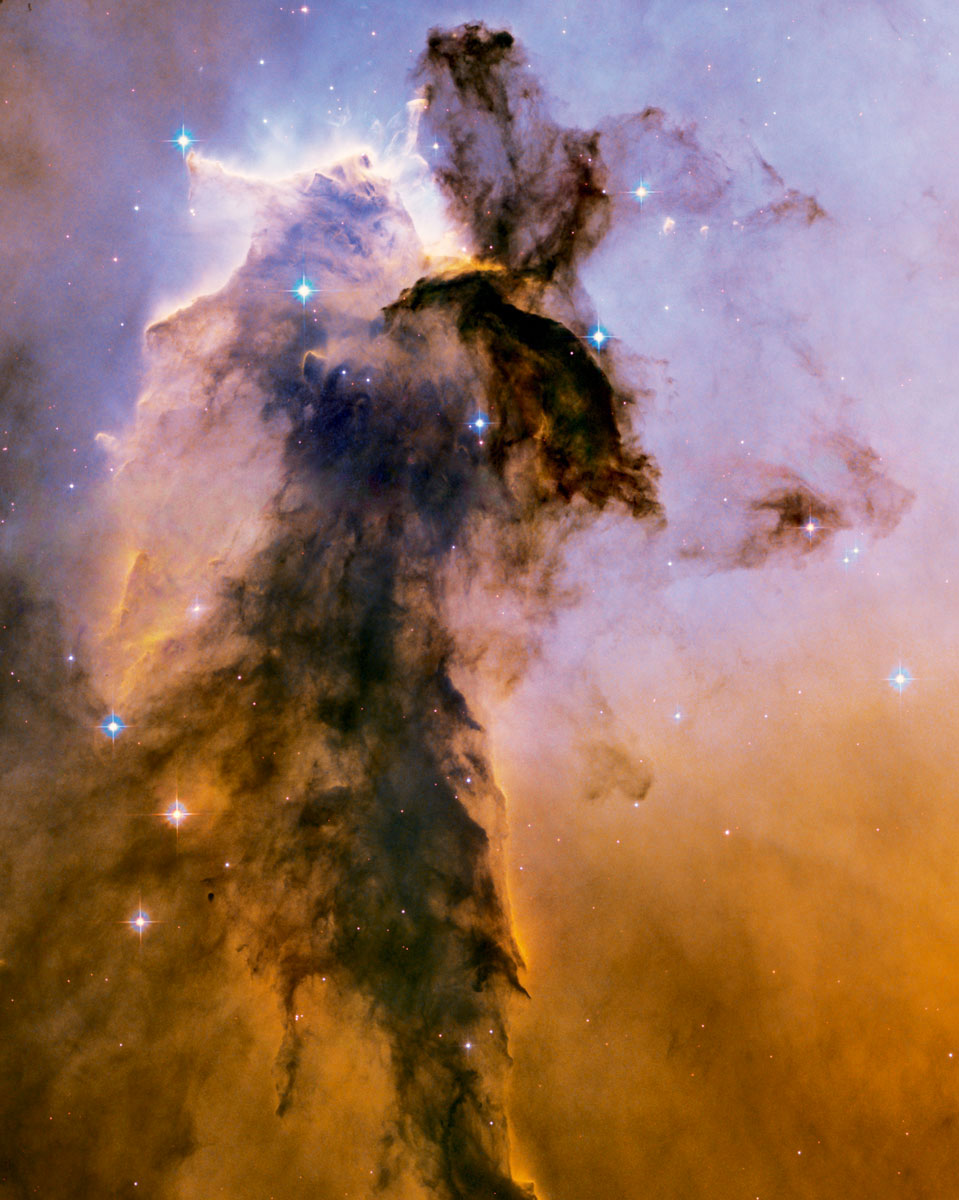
{"x":139,"y":921}
{"x":811,"y":528}
{"x":599,"y":337}
{"x":112,"y":726}
{"x":303,"y":290}
{"x":183,"y":140}
{"x":641,"y":192}
{"x":900,"y":679}
{"x":480,"y":423}
{"x":175,"y":815}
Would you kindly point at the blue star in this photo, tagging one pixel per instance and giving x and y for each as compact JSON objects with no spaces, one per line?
{"x":183,"y":140}
{"x":642,"y":191}
{"x":599,"y":337}
{"x":112,"y":725}
{"x":900,"y":679}
{"x":304,"y":290}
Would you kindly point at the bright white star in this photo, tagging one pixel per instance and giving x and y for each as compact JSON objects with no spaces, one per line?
{"x":900,"y":679}
{"x":598,"y":337}
{"x":176,"y":814}
{"x":304,"y":290}
{"x":641,"y":192}
{"x":112,"y":725}
{"x":183,"y":140}
{"x":140,"y":922}
{"x":480,"y":423}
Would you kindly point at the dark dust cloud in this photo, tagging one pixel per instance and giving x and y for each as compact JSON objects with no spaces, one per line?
{"x":352,"y":782}
{"x":321,"y":1000}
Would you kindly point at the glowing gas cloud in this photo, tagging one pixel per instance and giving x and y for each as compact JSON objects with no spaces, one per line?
{"x":329,"y":463}
{"x":306,"y":831}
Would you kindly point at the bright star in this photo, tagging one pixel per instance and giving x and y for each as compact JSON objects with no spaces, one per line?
{"x":811,"y":527}
{"x":176,"y":814}
{"x":900,"y":679}
{"x":304,"y":290}
{"x":642,"y":192}
{"x":480,"y":423}
{"x":598,"y":337}
{"x":112,"y":725}
{"x":139,"y":922}
{"x":183,"y":140}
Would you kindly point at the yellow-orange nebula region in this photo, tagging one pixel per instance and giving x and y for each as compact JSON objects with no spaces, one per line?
{"x":486,"y":746}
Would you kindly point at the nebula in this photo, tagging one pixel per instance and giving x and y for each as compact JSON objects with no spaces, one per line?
{"x":345,"y":850}
{"x":328,"y":462}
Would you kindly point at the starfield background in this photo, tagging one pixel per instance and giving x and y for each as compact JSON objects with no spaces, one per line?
{"x":477,"y":627}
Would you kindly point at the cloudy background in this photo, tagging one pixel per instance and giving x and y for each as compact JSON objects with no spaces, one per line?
{"x":722,"y":845}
